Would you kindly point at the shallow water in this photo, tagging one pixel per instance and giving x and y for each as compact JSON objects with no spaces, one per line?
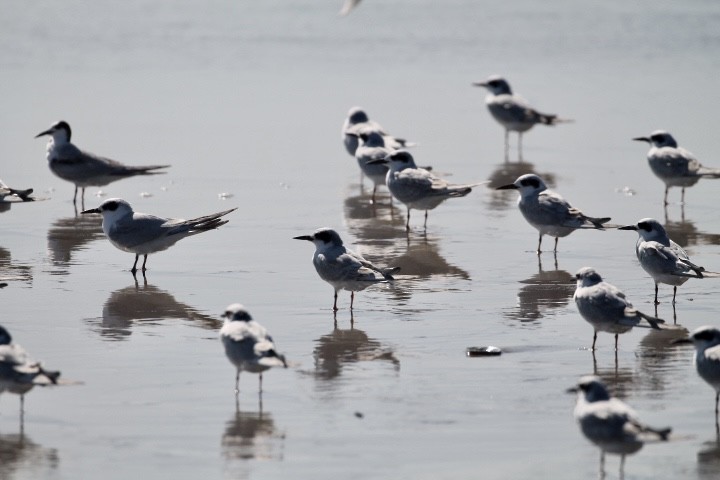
{"x":248,"y":99}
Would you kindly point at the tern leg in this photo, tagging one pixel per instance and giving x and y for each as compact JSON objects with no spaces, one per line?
{"x":352,"y":299}
{"x":144,"y":262}
{"x":656,"y":291}
{"x":75,"y":196}
{"x":594,"y":340}
{"x":373,"y":194}
{"x":555,"y":249}
{"x":507,"y":142}
{"x":602,"y":464}
{"x":22,"y":411}
{"x":717,"y":400}
{"x":260,"y":384}
{"x":82,"y":198}
{"x":520,"y":155}
{"x":622,"y":466}
{"x":616,"y":340}
{"x":425,"y":224}
{"x":682,"y":196}
{"x":335,"y":309}
{"x":134,"y":267}
{"x":407,"y":224}
{"x":539,"y":243}
{"x":237,"y":382}
{"x":674,"y":293}
{"x":665,"y":202}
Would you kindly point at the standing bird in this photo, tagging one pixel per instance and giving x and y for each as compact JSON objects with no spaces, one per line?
{"x":372,"y":148}
{"x":674,"y":165}
{"x":248,"y":345}
{"x":85,"y":169}
{"x":416,"y":187}
{"x":609,"y":422}
{"x":512,"y":111}
{"x":707,"y":359}
{"x":547,"y":211}
{"x":663,"y":259}
{"x":18,"y":372}
{"x":605,"y":308}
{"x":341,"y":267}
{"x":143,"y":234}
{"x":357,"y":121}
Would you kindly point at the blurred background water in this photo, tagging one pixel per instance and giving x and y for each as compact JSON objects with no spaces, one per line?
{"x":247,"y":98}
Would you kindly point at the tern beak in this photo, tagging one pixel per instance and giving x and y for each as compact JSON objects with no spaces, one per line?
{"x":46,"y":132}
{"x":642,"y":139}
{"x":92,"y":210}
{"x":572,"y":390}
{"x":628,"y":227}
{"x":479,"y":84}
{"x":304,"y":237}
{"x":512,"y":186}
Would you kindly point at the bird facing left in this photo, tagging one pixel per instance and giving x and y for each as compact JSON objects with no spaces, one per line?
{"x":82,"y":168}
{"x":143,"y":234}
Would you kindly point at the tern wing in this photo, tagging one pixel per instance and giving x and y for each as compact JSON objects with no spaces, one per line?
{"x":139,"y":229}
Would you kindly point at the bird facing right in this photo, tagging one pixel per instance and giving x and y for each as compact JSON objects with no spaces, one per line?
{"x":674,"y":165}
{"x":610,"y":423}
{"x":82,"y":168}
{"x":341,"y":267}
{"x":605,"y":308}
{"x":547,"y":211}
{"x":663,"y":259}
{"x":248,"y":345}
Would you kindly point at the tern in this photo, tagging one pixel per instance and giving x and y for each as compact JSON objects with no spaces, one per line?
{"x":341,"y":267}
{"x":248,"y":345}
{"x":85,"y":169}
{"x":143,"y":234}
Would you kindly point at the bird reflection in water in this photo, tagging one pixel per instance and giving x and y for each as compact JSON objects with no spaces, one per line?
{"x":147,"y":304}
{"x":69,"y":235}
{"x":13,"y":271}
{"x":252,"y":435}
{"x":708,"y":458}
{"x":345,"y":347}
{"x":19,"y":454}
{"x":505,"y":174}
{"x":546,"y":290}
{"x":685,"y":233}
{"x":384,"y":218}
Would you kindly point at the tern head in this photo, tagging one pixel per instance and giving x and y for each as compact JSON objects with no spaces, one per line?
{"x":496,"y":84}
{"x":649,"y":229}
{"x":357,"y":115}
{"x":400,"y":160}
{"x":323,"y":238}
{"x":587,"y":277}
{"x":112,"y":209}
{"x":236,"y":312}
{"x":5,"y":337}
{"x":705,"y":337}
{"x":527,"y":184}
{"x":60,"y":131}
{"x":659,"y":139}
{"x":592,"y":388}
